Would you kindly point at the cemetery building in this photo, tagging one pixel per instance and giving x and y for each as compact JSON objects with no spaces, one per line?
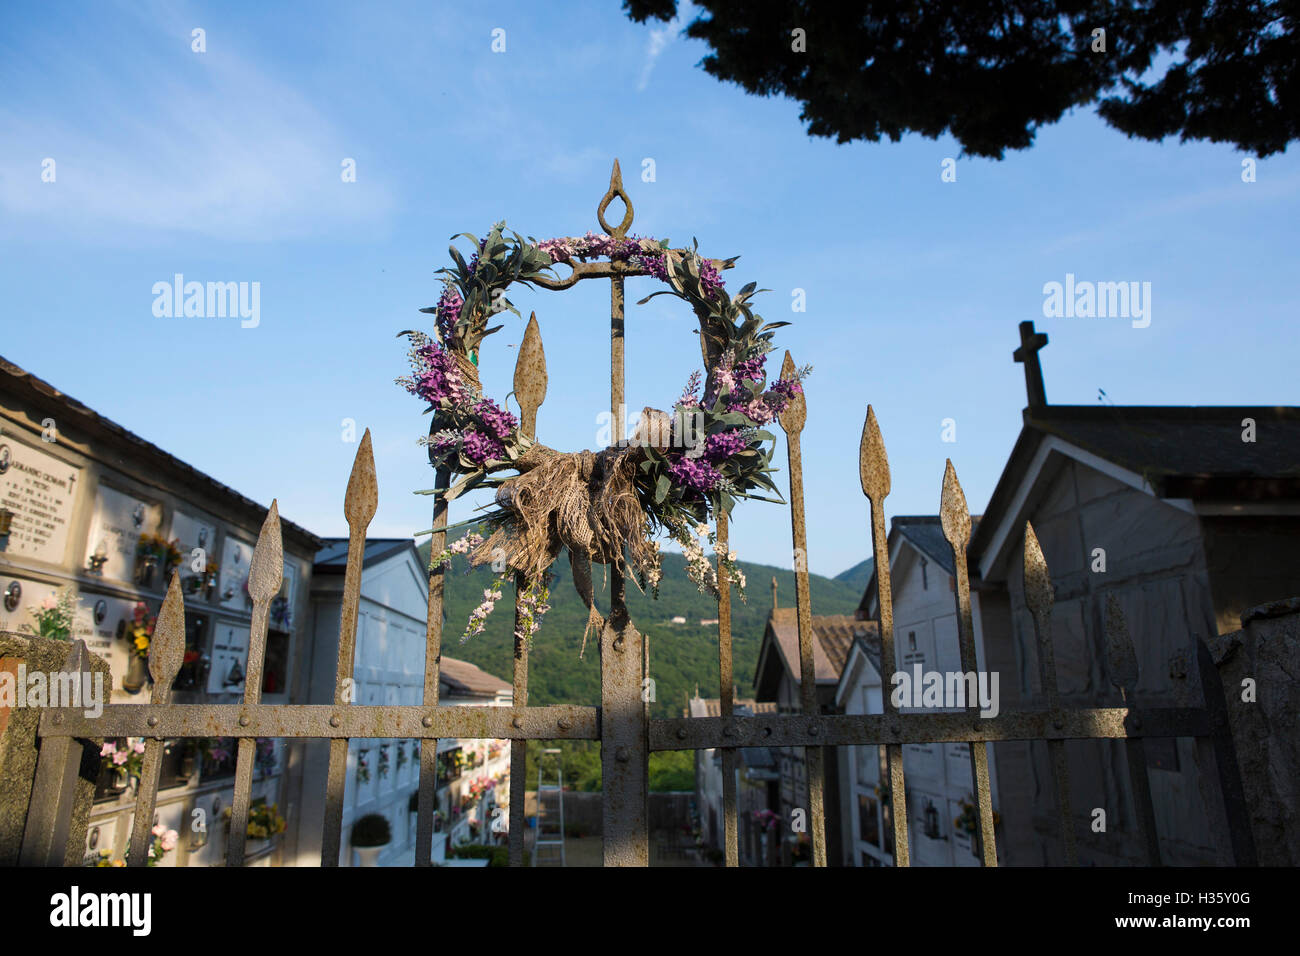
{"x":776,"y":679}
{"x":938,"y":775}
{"x":87,"y":505}
{"x":757,"y":789}
{"x":1188,"y":516}
{"x":383,"y":776}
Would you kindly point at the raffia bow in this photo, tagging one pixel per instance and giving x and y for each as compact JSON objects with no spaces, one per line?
{"x":583,"y":501}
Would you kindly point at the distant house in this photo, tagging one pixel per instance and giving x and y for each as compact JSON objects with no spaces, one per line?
{"x":705,"y":622}
{"x":383,"y":775}
{"x":938,"y":776}
{"x":678,"y":619}
{"x":776,"y":679}
{"x":757,"y":789}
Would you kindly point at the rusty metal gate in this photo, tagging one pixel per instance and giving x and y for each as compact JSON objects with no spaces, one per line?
{"x":621,"y":723}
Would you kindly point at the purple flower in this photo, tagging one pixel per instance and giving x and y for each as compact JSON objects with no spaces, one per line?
{"x":780,"y":394}
{"x":437,"y":377}
{"x":694,"y":474}
{"x":750,"y":370}
{"x":653,"y":265}
{"x":499,"y":421}
{"x":449,"y":306}
{"x":709,"y":278}
{"x":725,"y":444}
{"x":479,"y":448}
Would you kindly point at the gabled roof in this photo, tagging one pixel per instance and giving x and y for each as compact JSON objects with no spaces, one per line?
{"x":1194,"y":452}
{"x":925,"y":533}
{"x":832,"y":635}
{"x":70,"y":411}
{"x":470,"y":680}
{"x":868,"y":646}
{"x":332,"y":558}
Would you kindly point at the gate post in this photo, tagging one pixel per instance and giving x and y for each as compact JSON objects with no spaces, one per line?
{"x":624,"y":744}
{"x":46,"y":787}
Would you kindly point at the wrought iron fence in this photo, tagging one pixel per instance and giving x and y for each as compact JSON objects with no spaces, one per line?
{"x":621,"y":722}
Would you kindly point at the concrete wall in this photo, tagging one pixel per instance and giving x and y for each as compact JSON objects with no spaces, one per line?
{"x":1258,"y":666}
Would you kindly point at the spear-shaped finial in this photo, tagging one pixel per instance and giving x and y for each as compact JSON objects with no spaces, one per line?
{"x":873,"y":463}
{"x":530,"y":377}
{"x":796,"y":410}
{"x":615,"y":189}
{"x":1038,"y":583}
{"x":167,"y":648}
{"x":1123,"y":659}
{"x":954,"y":516}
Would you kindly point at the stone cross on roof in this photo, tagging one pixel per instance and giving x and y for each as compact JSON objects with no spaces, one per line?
{"x":1030,"y":343}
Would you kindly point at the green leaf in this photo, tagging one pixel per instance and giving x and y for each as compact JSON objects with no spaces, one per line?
{"x":661,"y":488}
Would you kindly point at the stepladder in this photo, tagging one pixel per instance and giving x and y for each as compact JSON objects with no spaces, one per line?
{"x":550,"y":809}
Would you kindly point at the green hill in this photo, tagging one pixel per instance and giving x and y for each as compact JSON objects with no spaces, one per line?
{"x":858,"y":575}
{"x":682,"y":657}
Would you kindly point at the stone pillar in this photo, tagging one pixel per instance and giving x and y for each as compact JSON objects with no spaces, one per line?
{"x":19,"y":748}
{"x":1266,"y":651}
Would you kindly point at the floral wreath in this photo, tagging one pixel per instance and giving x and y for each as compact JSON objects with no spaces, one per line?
{"x":676,"y":471}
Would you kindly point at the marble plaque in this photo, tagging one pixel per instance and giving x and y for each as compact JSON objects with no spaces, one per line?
{"x":115,"y":530}
{"x":40,"y":490}
{"x":229,"y":659}
{"x":191,"y":533}
{"x":235,"y":558}
{"x":97,"y":621}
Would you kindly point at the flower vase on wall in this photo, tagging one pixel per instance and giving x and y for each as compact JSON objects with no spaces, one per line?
{"x":144,"y":574}
{"x":136,"y":674}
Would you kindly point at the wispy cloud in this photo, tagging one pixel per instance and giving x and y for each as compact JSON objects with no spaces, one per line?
{"x":660,"y":38}
{"x":220,"y":148}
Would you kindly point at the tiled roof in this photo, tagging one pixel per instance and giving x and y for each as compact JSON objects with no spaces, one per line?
{"x":469,"y":678}
{"x":833,"y":633}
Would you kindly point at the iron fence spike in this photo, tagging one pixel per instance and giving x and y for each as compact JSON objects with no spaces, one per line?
{"x":362,"y":498}
{"x":873,"y":463}
{"x":167,"y":646}
{"x":953,"y":513}
{"x":530,"y":377}
{"x":266,"y":569}
{"x":1038,"y":583}
{"x":1123,"y":660}
{"x":796,"y":410}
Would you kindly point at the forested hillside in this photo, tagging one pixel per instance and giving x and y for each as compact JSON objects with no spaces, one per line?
{"x":681,"y":656}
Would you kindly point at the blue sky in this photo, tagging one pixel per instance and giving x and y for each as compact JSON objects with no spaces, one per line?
{"x":225,"y":166}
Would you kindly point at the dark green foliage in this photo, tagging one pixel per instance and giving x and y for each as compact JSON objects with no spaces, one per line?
{"x":496,"y":855}
{"x":371,"y":830}
{"x":990,"y":72}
